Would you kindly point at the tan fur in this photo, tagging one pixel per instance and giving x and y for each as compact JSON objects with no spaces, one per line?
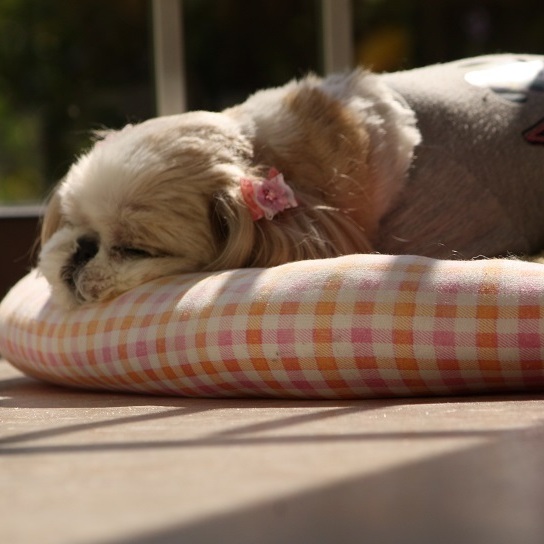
{"x":171,"y":187}
{"x":324,"y":155}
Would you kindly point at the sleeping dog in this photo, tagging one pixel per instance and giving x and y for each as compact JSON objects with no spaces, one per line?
{"x":445,"y":161}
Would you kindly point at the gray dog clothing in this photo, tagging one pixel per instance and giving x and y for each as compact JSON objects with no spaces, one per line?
{"x":476,"y":185}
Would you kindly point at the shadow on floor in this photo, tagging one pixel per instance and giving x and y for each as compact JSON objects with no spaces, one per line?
{"x":27,"y":393}
{"x":490,"y":494}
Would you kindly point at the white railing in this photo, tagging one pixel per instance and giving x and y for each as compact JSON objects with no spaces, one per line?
{"x":337,"y":35}
{"x":168,"y":46}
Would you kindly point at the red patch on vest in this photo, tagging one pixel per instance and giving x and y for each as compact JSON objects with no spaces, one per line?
{"x":535,"y":134}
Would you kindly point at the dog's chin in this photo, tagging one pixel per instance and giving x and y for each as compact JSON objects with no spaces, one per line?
{"x":89,"y":287}
{"x":69,"y":298}
{"x":72,"y":288}
{"x":90,"y":284}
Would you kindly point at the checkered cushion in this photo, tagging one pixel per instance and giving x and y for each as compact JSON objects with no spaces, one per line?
{"x":352,"y":327}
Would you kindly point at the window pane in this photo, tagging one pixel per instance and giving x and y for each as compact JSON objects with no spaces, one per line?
{"x":395,"y":34}
{"x":66,"y":68}
{"x":234,"y":47}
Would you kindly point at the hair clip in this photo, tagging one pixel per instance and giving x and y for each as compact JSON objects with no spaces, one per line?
{"x":267,"y":197}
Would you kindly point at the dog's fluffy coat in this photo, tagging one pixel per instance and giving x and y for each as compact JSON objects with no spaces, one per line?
{"x":163,"y":197}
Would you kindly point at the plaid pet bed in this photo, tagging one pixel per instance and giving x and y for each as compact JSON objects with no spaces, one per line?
{"x":359,"y":326}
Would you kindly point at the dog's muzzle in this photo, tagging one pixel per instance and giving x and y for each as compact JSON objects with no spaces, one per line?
{"x":87,"y":248}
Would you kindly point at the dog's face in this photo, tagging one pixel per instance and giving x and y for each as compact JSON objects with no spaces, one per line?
{"x":141,"y":205}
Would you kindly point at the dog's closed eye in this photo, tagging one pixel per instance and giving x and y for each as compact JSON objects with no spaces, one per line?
{"x":128,"y":252}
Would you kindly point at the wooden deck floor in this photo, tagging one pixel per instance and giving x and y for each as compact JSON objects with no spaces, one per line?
{"x":83,"y":467}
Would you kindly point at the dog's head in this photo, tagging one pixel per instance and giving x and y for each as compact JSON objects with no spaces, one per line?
{"x":144,"y":202}
{"x":165,"y":196}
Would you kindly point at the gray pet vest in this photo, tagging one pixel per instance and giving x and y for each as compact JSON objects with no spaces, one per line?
{"x":476,"y":185}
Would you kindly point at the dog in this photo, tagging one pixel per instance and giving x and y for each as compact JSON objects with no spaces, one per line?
{"x":444,"y":161}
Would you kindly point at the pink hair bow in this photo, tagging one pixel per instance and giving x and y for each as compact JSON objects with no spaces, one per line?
{"x":267,"y":197}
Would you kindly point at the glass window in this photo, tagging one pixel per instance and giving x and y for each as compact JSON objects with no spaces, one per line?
{"x":234,"y":47}
{"x":66,"y":68}
{"x":396,"y":34}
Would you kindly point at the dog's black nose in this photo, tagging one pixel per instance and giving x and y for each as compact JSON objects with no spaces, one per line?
{"x":87,"y":248}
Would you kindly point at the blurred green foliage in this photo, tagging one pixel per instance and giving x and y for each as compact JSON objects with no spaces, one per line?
{"x":66,"y":68}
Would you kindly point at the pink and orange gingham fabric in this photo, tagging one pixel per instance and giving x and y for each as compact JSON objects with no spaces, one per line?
{"x":359,"y":326}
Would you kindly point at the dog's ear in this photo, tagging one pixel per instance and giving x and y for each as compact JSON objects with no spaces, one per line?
{"x":52,"y":218}
{"x":220,"y":209}
{"x":233,"y":232}
{"x":308,"y":231}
